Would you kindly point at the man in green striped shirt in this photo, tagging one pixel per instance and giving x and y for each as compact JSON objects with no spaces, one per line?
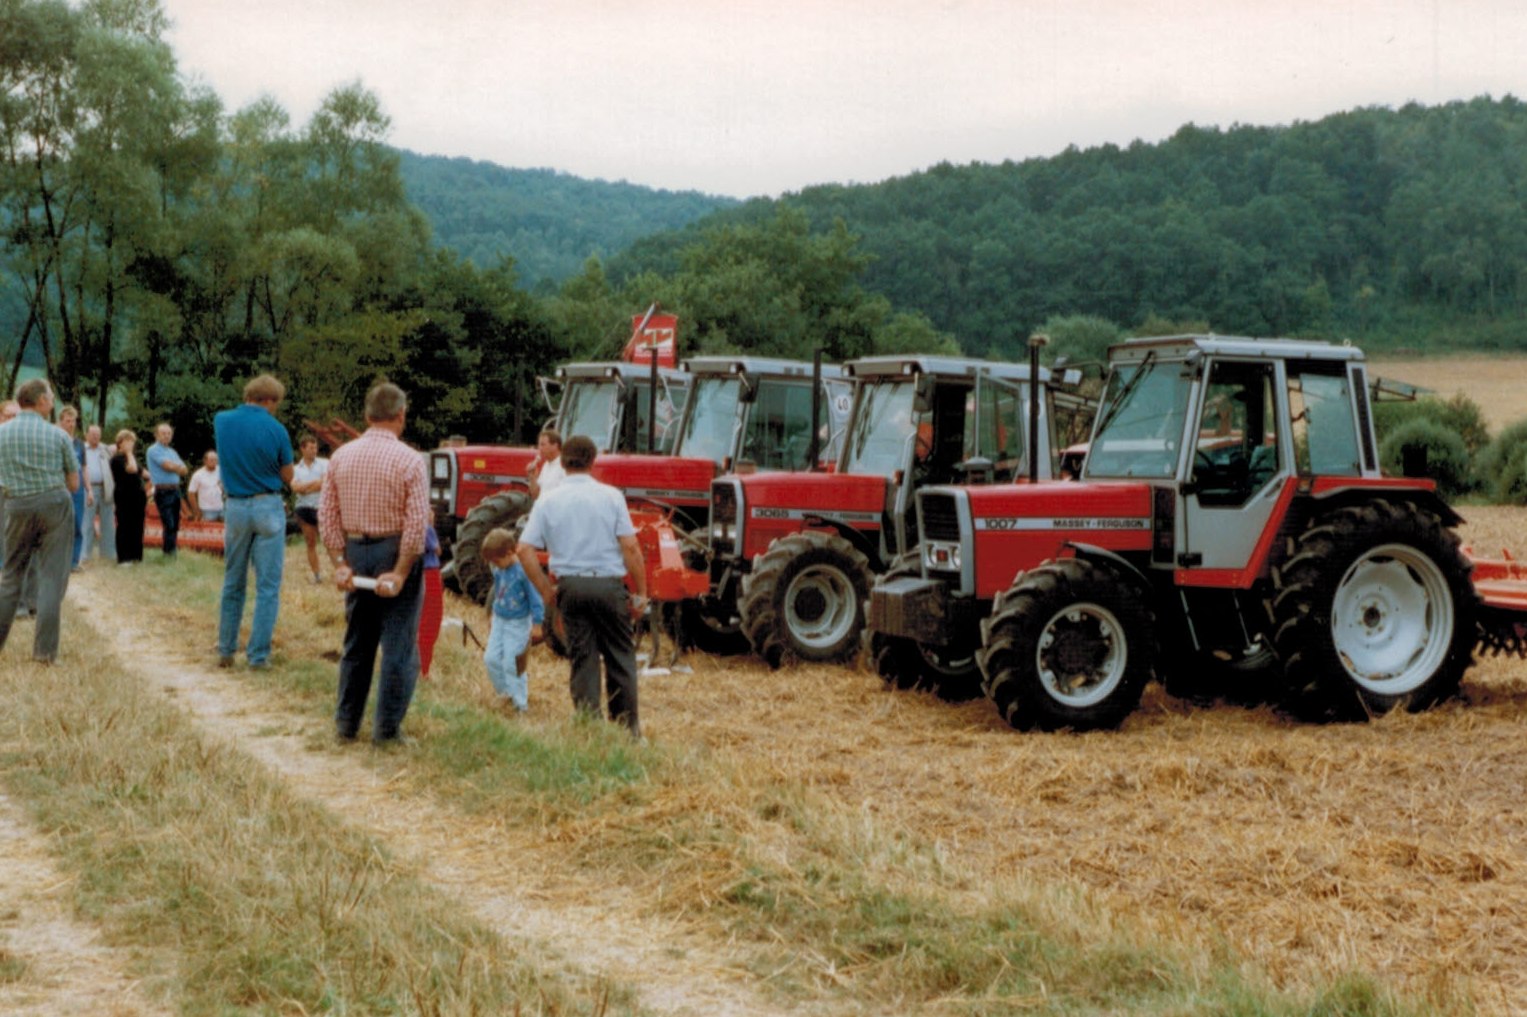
{"x":40,"y":473}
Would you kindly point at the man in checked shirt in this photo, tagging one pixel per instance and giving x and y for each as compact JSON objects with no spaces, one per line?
{"x":371,"y":516}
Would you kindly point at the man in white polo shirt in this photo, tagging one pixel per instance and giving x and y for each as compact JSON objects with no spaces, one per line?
{"x":585,"y":528}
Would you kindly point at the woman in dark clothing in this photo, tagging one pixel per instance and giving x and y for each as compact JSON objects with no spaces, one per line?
{"x":130,"y":500}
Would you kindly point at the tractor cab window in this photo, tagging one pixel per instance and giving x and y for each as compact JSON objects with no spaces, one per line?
{"x":885,"y":429}
{"x":994,"y":428}
{"x":1324,"y":422}
{"x":778,"y":431}
{"x":712,"y":422}
{"x":1236,"y":452}
{"x":591,"y":408}
{"x":1140,"y":421}
{"x":637,"y":435}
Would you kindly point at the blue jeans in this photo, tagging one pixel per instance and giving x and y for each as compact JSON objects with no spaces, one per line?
{"x":508,"y":638}
{"x":167,"y":501}
{"x":390,"y":624}
{"x":255,"y":533}
{"x":79,"y":525}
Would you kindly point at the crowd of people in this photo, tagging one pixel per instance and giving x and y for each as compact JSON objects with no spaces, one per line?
{"x":366,"y":508}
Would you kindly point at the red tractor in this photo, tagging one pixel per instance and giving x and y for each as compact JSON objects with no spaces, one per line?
{"x":1231,"y":523}
{"x":717,"y":413}
{"x":793,"y":555}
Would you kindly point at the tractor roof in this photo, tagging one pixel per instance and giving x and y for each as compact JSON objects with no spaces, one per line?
{"x":1234,"y":346}
{"x":948,"y":367}
{"x":614,"y":369}
{"x":758,"y":366}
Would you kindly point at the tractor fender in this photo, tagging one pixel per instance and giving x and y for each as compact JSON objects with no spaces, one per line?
{"x":861,"y":542}
{"x":1330,"y":495}
{"x":1093,"y":553}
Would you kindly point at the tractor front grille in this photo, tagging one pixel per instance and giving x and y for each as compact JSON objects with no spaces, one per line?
{"x":940,"y":517}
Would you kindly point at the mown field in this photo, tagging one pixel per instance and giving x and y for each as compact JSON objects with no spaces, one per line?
{"x":1496,"y":382}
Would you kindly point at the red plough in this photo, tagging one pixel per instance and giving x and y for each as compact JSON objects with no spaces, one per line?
{"x":1502,"y":586}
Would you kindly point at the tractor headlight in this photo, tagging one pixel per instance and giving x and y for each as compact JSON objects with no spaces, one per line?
{"x":941,"y":556}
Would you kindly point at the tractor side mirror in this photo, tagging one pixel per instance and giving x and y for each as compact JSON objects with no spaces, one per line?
{"x":978,"y":470}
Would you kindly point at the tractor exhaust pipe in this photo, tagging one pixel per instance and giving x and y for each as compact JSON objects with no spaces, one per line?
{"x":1037,"y":342}
{"x":814,"y":449}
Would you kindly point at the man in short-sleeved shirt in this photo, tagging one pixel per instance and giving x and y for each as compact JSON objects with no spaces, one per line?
{"x":165,"y":468}
{"x":40,"y":473}
{"x":254,"y":456}
{"x":585,"y":528}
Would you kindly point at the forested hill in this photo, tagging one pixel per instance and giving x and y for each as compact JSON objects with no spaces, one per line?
{"x":1389,"y":227}
{"x":549,"y":222}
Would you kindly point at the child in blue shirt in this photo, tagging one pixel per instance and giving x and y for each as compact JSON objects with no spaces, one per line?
{"x":517,"y":614}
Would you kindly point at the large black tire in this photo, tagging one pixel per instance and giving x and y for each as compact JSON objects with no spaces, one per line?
{"x":1374,"y":610}
{"x":1069,"y":645}
{"x":907,"y":664}
{"x":501,"y":510}
{"x":805,"y":599}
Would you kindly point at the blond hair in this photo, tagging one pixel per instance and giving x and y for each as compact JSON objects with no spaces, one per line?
{"x":498,"y":542}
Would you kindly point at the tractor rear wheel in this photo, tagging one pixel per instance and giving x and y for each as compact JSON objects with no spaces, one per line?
{"x":1069,"y":645}
{"x":1375,"y":610}
{"x":501,"y":510}
{"x":805,"y":599}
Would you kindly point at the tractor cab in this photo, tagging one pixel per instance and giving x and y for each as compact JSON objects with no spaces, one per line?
{"x":612,"y":403}
{"x":751,"y":414}
{"x":925,"y":420}
{"x":1225,"y":430}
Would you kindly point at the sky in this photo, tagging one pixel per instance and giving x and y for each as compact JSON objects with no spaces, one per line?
{"x":764,"y":97}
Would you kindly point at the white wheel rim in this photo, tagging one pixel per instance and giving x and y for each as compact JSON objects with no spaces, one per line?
{"x":1392,"y":619}
{"x":820,"y":605}
{"x":1081,"y":655}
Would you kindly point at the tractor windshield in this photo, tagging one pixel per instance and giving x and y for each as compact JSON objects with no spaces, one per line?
{"x":1140,"y":422}
{"x":883,"y":428}
{"x":592,"y":408}
{"x":708,"y":433}
{"x":778,"y":431}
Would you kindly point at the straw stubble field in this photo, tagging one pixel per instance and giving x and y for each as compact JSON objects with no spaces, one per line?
{"x":1395,"y":847}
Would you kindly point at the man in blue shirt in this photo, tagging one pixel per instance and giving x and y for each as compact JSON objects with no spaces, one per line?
{"x":254,"y":453}
{"x":165,"y":468}
{"x":585,"y":528}
{"x":40,"y":473}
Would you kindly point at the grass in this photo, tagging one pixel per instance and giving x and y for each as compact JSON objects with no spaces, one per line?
{"x":233,"y":896}
{"x":823,"y":901}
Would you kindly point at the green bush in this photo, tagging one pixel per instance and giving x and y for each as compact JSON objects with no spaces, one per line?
{"x":1447,"y":457}
{"x":1502,"y":466}
{"x":1459,"y":414}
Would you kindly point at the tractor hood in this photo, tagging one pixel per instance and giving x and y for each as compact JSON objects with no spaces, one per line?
{"x":666,"y":480}
{"x":1002,"y":530}
{"x":850,"y":498}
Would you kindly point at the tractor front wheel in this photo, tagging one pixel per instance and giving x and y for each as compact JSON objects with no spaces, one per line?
{"x":1069,"y":645}
{"x":805,"y":599}
{"x":1374,"y":610}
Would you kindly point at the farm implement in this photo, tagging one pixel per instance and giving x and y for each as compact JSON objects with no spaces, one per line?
{"x":1502,"y":587}
{"x":1231,"y":531}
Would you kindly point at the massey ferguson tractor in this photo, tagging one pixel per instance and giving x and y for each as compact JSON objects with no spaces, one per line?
{"x":1230,"y":521}
{"x":752,"y":413}
{"x":793,"y":555}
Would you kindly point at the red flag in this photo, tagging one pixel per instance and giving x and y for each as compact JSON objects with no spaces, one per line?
{"x":653,"y":334}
